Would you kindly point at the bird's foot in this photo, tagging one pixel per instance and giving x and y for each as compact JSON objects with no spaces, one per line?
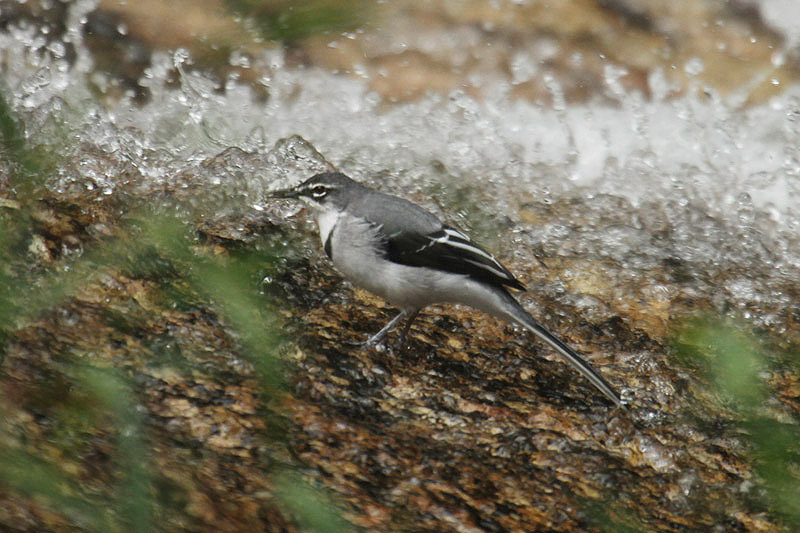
{"x":382,"y":344}
{"x":376,"y":341}
{"x":378,"y":346}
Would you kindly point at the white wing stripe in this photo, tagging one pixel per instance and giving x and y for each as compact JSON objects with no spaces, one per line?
{"x":470,"y":248}
{"x":484,"y":266}
{"x":454,"y":233}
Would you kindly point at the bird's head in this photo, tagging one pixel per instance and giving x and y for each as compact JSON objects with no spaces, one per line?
{"x":329,"y":189}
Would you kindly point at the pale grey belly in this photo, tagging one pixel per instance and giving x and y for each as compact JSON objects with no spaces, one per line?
{"x":356,"y":258}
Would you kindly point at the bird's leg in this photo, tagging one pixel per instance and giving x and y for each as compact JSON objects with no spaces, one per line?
{"x":378,"y":337}
{"x":403,"y":334}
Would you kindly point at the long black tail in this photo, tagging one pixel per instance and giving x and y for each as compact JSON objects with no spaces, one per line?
{"x":524,"y":319}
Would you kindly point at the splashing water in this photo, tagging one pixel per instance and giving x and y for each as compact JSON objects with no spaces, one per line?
{"x":693,"y":180}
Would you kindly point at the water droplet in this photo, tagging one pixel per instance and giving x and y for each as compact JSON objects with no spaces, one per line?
{"x":694,"y":66}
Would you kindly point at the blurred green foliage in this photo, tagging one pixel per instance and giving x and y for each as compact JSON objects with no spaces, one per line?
{"x":611,"y":516}
{"x":85,"y":399}
{"x":286,"y":20}
{"x":735,"y":366}
{"x":312,"y":509}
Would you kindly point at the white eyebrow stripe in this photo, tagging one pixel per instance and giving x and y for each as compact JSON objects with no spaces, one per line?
{"x":327,"y":186}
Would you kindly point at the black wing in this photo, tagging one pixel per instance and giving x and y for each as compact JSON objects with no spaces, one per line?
{"x":450,"y":250}
{"x":415,"y":237}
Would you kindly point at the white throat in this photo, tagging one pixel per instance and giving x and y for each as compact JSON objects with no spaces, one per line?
{"x":326,"y":220}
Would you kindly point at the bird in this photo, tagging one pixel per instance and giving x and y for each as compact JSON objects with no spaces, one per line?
{"x":404,"y":254}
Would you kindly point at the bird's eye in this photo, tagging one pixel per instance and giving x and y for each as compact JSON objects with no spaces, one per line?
{"x":318,"y":191}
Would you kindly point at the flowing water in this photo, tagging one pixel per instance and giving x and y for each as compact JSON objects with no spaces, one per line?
{"x":719,"y":180}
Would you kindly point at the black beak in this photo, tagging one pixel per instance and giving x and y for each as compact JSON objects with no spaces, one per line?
{"x":284,"y":193}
